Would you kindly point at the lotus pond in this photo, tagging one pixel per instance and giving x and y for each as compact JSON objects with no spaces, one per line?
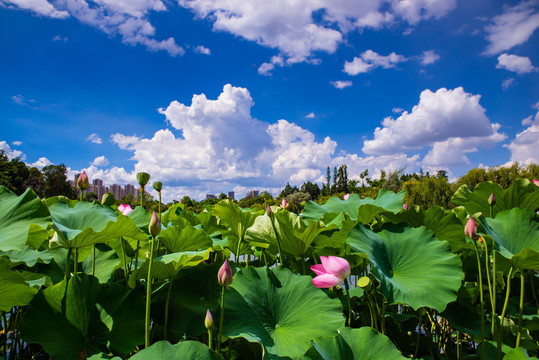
{"x":348,"y":279}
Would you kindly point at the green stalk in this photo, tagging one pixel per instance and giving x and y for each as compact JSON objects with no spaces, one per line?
{"x":458,"y":345}
{"x":126,"y":275}
{"x":493,"y":327}
{"x":418,"y":333}
{"x":221,"y":316}
{"x":482,"y":302}
{"x":93,"y":260}
{"x":238,"y":251}
{"x":141,"y":195}
{"x":349,"y":318}
{"x":272,"y":218}
{"x":67,"y":263}
{"x":210,"y":342}
{"x":500,"y":332}
{"x":521,"y":307}
{"x":75,"y":266}
{"x":167,"y":302}
{"x":136,"y":255}
{"x":148,"y":297}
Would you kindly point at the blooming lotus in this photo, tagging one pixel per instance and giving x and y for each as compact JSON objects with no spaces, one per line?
{"x":536,"y":182}
{"x":331,"y":272}
{"x":345,"y":197}
{"x":405,"y":207}
{"x":125,"y":209}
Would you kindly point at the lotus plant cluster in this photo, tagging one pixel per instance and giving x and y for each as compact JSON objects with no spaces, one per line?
{"x":350,"y":278}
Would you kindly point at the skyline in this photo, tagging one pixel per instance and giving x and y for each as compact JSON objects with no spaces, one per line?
{"x":214,"y":96}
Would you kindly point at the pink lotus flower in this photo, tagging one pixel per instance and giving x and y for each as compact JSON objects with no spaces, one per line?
{"x":331,"y":272}
{"x":125,"y":209}
{"x":82,"y":181}
{"x":405,"y":207}
{"x":345,"y":197}
{"x":224,"y":276}
{"x":471,"y":229}
{"x":284,"y":204}
{"x":536,"y":182}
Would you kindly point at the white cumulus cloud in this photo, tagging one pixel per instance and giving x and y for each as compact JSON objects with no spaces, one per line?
{"x":40,"y":7}
{"x":310,"y":116}
{"x":515,"y":63}
{"x":94,"y":138}
{"x":429,"y":57}
{"x":100,"y":161}
{"x":445,"y":119}
{"x":341,"y":84}
{"x":513,"y":27}
{"x":370,"y":60}
{"x":202,"y":50}
{"x":524,"y":146}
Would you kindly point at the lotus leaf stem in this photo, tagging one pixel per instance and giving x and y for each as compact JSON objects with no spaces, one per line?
{"x":482,"y":301}
{"x":221,"y":316}
{"x":349,"y":318}
{"x":136,"y":255}
{"x":124,"y":258}
{"x":167,"y":303}
{"x":93,"y":260}
{"x":272,"y":218}
{"x":76,"y":264}
{"x":418,"y":333}
{"x":521,"y":308}
{"x":507,"y":292}
{"x":458,"y":345}
{"x":148,"y":296}
{"x":493,"y":327}
{"x":68,"y":260}
{"x":210,"y":342}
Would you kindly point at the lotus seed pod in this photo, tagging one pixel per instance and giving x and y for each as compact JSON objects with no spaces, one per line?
{"x":158,"y":185}
{"x":224,"y":276}
{"x":108,"y":199}
{"x":365,"y":283}
{"x":155,"y":225}
{"x":143,"y":178}
{"x":82,"y":181}
{"x":491,"y":200}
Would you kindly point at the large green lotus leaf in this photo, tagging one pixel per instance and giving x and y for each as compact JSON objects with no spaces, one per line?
{"x":141,"y":218}
{"x":28,"y":256}
{"x":17,"y":213}
{"x":105,"y":264}
{"x":518,"y":354}
{"x":386,"y":201}
{"x":443,"y":223}
{"x":192,"y":350}
{"x":237,"y":220}
{"x":194,"y":290}
{"x":209,"y":222}
{"x":14,"y":291}
{"x":189,"y":238}
{"x":294,"y":236}
{"x":522,"y":193}
{"x":353,"y":344}
{"x":87,"y":224}
{"x":279,"y":309}
{"x":516,"y":234}
{"x":88,"y":318}
{"x":172,"y":213}
{"x":262,"y":232}
{"x":413,"y":267}
{"x":167,"y":266}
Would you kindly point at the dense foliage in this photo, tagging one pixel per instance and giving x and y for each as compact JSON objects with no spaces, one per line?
{"x":83,"y":280}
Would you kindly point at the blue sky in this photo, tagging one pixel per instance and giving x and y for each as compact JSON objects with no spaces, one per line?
{"x":210,"y":96}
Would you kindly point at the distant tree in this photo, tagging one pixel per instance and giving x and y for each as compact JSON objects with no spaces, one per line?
{"x":223,"y":196}
{"x":91,"y":196}
{"x":297,"y":200}
{"x":35,"y":181}
{"x":311,"y":189}
{"x":393,"y":182}
{"x":55,"y":177}
{"x":13,"y":173}
{"x":428,"y":192}
{"x":287,"y":191}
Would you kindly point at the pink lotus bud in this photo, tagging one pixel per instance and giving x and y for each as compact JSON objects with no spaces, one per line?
{"x":331,"y":272}
{"x":405,"y":207}
{"x":125,"y":209}
{"x":155,"y":225}
{"x":224,"y":276}
{"x":345,"y":197}
{"x":82,"y":181}
{"x":491,"y":200}
{"x":536,"y":182}
{"x":208,"y":321}
{"x":268,"y":210}
{"x":471,"y":228}
{"x":284,"y":204}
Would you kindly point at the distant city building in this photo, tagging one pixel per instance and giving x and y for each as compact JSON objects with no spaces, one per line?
{"x":253,"y":193}
{"x":210,"y":196}
{"x":231,"y":195}
{"x":99,"y":189}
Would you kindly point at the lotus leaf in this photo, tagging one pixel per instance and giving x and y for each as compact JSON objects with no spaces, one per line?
{"x":275,"y":307}
{"x":14,"y":291}
{"x":362,"y":343}
{"x":189,"y":238}
{"x":516,"y":234}
{"x":192,"y":350}
{"x":409,"y":263}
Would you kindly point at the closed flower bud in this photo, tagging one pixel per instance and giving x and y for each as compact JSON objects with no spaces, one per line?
{"x":284,"y":204}
{"x":471,"y":229}
{"x":224,"y":276}
{"x":268,"y":210}
{"x":158,"y":185}
{"x":536,"y":182}
{"x":208,"y":321}
{"x":143,"y":178}
{"x":155,"y":225}
{"x":82,"y":181}
{"x":405,"y":207}
{"x":491,"y":200}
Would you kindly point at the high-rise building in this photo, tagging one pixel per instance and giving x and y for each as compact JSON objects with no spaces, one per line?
{"x":231,"y":195}
{"x":210,"y":196}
